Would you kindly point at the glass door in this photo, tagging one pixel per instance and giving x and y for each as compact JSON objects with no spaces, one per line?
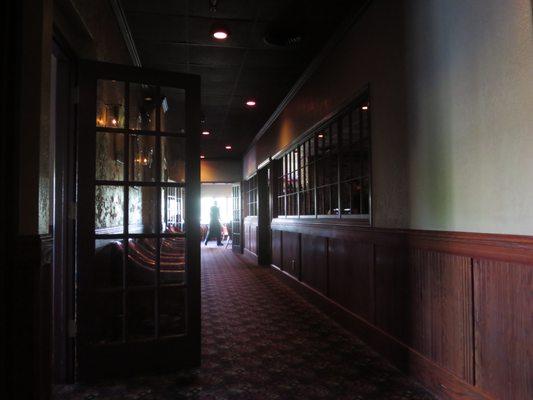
{"x":138,"y":275}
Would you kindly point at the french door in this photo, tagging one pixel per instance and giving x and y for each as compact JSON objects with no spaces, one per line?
{"x":138,"y":260}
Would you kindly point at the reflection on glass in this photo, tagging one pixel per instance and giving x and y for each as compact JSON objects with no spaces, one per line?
{"x":108,"y":261}
{"x":141,"y":266}
{"x":173,"y":209}
{"x":109,"y":164}
{"x":106,"y":316}
{"x":173,"y":161}
{"x":172,"y":110}
{"x":142,"y":209}
{"x":110,"y":104}
{"x":142,"y":158}
{"x":140,"y":319}
{"x":355,"y":187}
{"x":109,"y":209}
{"x":172,"y":304}
{"x":365,"y":208}
{"x":143,"y":99}
{"x":172,"y":264}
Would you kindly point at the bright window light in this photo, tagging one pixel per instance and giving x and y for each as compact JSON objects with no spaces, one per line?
{"x":224,"y":204}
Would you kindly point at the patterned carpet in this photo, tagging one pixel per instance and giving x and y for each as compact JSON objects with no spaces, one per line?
{"x":263,"y":341}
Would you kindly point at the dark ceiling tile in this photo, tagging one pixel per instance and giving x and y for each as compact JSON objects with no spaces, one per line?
{"x":216,"y":56}
{"x":161,"y":53}
{"x":234,"y":9}
{"x":174,"y":35}
{"x":158,"y":27}
{"x":178,"y":7}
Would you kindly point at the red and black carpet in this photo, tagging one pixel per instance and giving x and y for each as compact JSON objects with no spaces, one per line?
{"x":261,"y":340}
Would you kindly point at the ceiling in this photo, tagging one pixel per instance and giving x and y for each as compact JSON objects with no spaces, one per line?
{"x":175,"y":35}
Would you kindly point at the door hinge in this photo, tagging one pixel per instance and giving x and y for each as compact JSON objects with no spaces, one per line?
{"x":72,"y":210}
{"x":75,"y":94}
{"x":72,"y":328}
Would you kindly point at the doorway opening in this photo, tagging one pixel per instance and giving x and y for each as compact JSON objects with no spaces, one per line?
{"x":217,"y":207}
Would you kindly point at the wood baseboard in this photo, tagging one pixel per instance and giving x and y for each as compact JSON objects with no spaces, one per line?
{"x":434,"y":378}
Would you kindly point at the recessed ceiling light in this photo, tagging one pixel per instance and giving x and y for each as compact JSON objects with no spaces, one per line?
{"x":220,"y":35}
{"x":219,"y":31}
{"x":228,"y":147}
{"x":251,"y":103}
{"x":202,"y":156}
{"x":364,"y":108}
{"x":205,"y":133}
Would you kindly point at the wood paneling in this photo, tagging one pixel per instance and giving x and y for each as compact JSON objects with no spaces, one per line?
{"x":291,"y":253}
{"x":441,"y":309}
{"x":250,"y":234}
{"x":314,"y":262}
{"x":443,"y":306}
{"x":503,"y":328}
{"x":276,"y":248}
{"x":392,"y":294}
{"x":438,"y":380}
{"x":351,"y":281}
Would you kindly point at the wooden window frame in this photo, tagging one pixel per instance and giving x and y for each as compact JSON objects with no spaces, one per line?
{"x":317,"y":176}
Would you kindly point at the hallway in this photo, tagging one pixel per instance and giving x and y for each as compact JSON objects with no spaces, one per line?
{"x":263,"y":341}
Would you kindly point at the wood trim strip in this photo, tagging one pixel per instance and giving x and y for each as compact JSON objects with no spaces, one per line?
{"x":510,"y":248}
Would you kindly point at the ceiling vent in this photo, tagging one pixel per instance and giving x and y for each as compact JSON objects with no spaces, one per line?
{"x":283,"y":37}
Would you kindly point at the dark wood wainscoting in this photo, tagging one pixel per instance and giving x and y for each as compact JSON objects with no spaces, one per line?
{"x":29,"y":330}
{"x":451,"y":309}
{"x":250,"y":237}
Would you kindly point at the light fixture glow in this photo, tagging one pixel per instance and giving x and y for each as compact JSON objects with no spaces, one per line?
{"x":114,"y":122}
{"x":220,"y":34}
{"x":251,"y":103}
{"x":228,"y":147}
{"x":321,"y":136}
{"x":202,"y":156}
{"x":364,"y":108}
{"x":205,"y":133}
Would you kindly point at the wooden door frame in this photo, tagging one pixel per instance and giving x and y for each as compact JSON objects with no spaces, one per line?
{"x":152,"y":353}
{"x":264,"y":208}
{"x":63,"y":224}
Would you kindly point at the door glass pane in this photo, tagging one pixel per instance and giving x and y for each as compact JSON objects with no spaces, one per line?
{"x":172,"y":319}
{"x":140,"y":319}
{"x":173,"y":209}
{"x":109,"y":164}
{"x":356,"y":196}
{"x":109,"y":209}
{"x":365,"y":208}
{"x":143,"y":209}
{"x":106,"y":322}
{"x":141,"y":266}
{"x":143,"y":100}
{"x":172,"y":261}
{"x":142,"y":158}
{"x":108,"y":261}
{"x":172,"y":110}
{"x":110,"y":104}
{"x":173,"y":161}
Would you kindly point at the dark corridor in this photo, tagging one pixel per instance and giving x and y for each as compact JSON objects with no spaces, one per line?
{"x":261,"y":340}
